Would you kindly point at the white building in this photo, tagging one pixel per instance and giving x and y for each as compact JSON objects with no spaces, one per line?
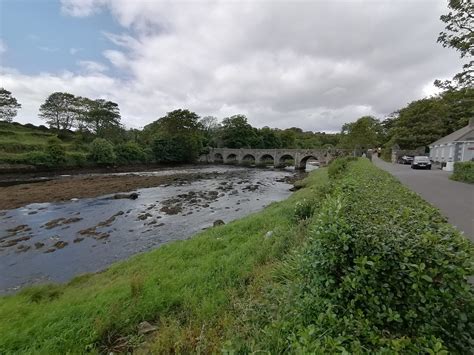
{"x":457,"y":146}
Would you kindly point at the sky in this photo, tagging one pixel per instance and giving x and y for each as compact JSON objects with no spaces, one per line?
{"x":309,"y":64}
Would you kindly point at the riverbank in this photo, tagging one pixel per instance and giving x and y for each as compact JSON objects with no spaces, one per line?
{"x":86,"y":186}
{"x":180,"y":287}
{"x":355,"y":262}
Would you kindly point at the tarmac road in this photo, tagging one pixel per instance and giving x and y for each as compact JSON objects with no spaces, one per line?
{"x":454,"y":199}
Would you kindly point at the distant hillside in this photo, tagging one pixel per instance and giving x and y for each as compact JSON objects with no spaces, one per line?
{"x":26,"y":144}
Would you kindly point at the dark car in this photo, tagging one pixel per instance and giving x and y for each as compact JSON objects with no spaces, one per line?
{"x":421,"y":162}
{"x":406,"y":159}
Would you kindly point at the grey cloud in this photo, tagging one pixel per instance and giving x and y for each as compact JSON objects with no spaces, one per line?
{"x":287,"y":63}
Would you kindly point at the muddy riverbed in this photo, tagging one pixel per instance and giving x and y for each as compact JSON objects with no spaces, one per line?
{"x":55,"y":241}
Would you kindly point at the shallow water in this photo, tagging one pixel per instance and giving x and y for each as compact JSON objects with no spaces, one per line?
{"x":45,"y":242}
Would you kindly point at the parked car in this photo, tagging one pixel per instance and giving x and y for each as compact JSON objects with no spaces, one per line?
{"x":421,"y":162}
{"x":406,"y":159}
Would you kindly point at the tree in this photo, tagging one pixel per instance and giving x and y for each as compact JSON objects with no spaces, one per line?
{"x":424,"y":121}
{"x":102,"y":152}
{"x":210,"y":128}
{"x":99,"y":116}
{"x":268,"y":138}
{"x":363,"y":134}
{"x":60,"y":110}
{"x":176,"y":137}
{"x":8,"y":105}
{"x":56,"y":151}
{"x":459,"y":34}
{"x":236,"y":132}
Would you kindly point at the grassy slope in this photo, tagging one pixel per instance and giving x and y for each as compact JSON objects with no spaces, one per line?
{"x":187,"y":288}
{"x":16,"y":141}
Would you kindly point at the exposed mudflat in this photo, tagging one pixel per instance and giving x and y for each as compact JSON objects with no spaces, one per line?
{"x":56,"y":238}
{"x":65,"y":188}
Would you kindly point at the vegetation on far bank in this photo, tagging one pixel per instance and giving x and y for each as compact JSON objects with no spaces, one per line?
{"x":352,"y":262}
{"x":463,"y":171}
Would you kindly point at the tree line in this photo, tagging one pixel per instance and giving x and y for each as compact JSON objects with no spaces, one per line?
{"x":182,"y":135}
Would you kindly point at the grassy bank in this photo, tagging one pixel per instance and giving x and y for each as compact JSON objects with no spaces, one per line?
{"x":185,"y":288}
{"x":354,"y":262}
{"x":381,"y":272}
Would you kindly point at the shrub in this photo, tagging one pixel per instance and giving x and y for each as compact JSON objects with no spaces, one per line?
{"x":102,"y":152}
{"x":382,"y":273}
{"x":56,"y":151}
{"x":129,"y":152}
{"x":76,"y":159}
{"x":304,"y":210}
{"x":464,"y":171}
{"x":37,"y":158}
{"x":339,"y":166}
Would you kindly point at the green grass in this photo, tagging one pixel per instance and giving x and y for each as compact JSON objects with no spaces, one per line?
{"x":187,"y":288}
{"x":381,"y":272}
{"x":19,"y":142}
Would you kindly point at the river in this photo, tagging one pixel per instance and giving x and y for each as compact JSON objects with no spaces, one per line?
{"x":53,"y":242}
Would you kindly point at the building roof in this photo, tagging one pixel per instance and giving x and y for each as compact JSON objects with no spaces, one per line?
{"x":465,"y":133}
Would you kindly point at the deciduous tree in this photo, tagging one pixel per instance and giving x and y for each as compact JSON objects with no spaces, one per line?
{"x":8,"y":105}
{"x":459,"y":34}
{"x":60,"y":110}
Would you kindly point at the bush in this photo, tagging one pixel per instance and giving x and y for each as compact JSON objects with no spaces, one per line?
{"x":76,"y":159}
{"x":102,"y":152}
{"x":304,"y":210}
{"x":339,"y":166}
{"x":464,"y":171}
{"x":36,"y":158}
{"x":382,"y":273}
{"x":56,"y":152}
{"x":176,"y":149}
{"x":129,"y":152}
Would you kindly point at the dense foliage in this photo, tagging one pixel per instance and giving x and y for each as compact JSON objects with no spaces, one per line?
{"x":459,"y":35}
{"x":382,"y":272}
{"x":8,"y":105}
{"x":464,"y":171}
{"x":102,"y":152}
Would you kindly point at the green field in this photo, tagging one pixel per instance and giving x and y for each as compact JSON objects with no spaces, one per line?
{"x":355,"y":263}
{"x":26,"y":144}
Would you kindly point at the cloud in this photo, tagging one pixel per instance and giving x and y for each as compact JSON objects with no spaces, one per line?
{"x":3,"y":46}
{"x":74,"y":51}
{"x":298,"y":63}
{"x":90,"y":66}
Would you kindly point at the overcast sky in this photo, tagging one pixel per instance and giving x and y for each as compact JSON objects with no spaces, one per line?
{"x":310,"y":64}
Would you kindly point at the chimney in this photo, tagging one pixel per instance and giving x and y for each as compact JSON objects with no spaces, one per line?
{"x":471,"y":122}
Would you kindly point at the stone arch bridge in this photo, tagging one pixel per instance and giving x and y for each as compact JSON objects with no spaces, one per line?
{"x":275,"y":157}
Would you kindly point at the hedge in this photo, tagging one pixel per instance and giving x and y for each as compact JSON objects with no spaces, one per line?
{"x":464,"y":171}
{"x":383,"y":272}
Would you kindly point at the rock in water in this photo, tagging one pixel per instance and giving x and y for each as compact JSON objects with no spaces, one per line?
{"x":218,"y":222}
{"x":132,"y":196}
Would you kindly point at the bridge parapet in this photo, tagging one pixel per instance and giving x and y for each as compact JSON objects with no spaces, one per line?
{"x":279,"y":156}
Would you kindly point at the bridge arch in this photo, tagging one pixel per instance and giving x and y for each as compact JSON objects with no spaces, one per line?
{"x":305,"y":159}
{"x":286,"y":160}
{"x":267,"y":159}
{"x":248,"y":159}
{"x":218,"y":158}
{"x":231,"y":159}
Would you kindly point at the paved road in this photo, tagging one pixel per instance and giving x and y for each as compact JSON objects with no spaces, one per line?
{"x":454,"y":199}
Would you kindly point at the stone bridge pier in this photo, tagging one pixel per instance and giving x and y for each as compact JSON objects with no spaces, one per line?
{"x":274,"y":157}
